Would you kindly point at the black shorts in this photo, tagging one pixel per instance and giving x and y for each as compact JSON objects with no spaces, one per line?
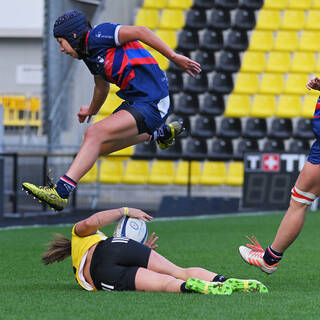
{"x":115,"y":262}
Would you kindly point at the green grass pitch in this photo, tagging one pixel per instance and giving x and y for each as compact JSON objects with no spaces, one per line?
{"x":30,"y":290}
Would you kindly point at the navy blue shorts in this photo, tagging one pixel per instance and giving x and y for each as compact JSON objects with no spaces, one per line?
{"x":314,"y":154}
{"x":148,"y":115}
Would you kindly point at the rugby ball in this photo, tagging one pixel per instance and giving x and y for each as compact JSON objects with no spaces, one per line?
{"x":132,"y":228}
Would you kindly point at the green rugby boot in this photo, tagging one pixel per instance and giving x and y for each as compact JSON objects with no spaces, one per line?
{"x":47,"y":194}
{"x":207,"y":287}
{"x":246,"y":285}
{"x":168,"y":134}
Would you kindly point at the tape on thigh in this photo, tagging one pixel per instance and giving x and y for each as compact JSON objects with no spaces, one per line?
{"x":301,"y":196}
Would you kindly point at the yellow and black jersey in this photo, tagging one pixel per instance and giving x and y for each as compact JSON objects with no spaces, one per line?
{"x":79,"y":251}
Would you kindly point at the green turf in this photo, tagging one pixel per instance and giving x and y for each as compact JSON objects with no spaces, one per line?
{"x":30,"y":290}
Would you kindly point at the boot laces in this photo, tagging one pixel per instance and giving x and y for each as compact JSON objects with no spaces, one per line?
{"x":255,"y":245}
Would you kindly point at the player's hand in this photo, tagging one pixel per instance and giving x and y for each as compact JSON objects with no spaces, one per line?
{"x":313,"y":83}
{"x":139,"y":214}
{"x":151,"y":241}
{"x":189,"y":66}
{"x":84,"y":114}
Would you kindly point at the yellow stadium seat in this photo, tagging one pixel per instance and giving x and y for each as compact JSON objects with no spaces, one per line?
{"x":299,"y":4}
{"x":111,"y":171}
{"x":303,"y":62}
{"x":162,"y":172}
{"x":309,"y":41}
{"x":238,"y":106}
{"x":271,"y":83}
{"x":235,"y":174}
{"x":296,"y":83}
{"x":91,"y":176}
{"x":213,"y":173}
{"x":313,"y":20}
{"x":112,"y":102}
{"x":179,"y":4}
{"x":317,"y":67}
{"x":308,"y":106}
{"x":151,"y":4}
{"x":286,"y":41}
{"x":289,"y":106}
{"x":34,"y":112}
{"x":148,"y":18}
{"x":169,"y":37}
{"x":123,"y":153}
{"x":172,"y":19}
{"x":293,"y":20}
{"x":263,"y":106}
{"x":268,"y":20}
{"x":161,"y":59}
{"x":261,"y":40}
{"x":246,"y":83}
{"x":315,"y":4}
{"x":253,"y":61}
{"x":278,"y":62}
{"x":136,"y":172}
{"x":182,"y":173}
{"x":275,"y":4}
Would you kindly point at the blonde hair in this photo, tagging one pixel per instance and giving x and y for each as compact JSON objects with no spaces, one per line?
{"x":59,"y":249}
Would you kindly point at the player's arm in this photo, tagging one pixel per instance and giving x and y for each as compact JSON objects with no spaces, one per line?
{"x":100,"y":219}
{"x":100,"y":93}
{"x":145,"y":35}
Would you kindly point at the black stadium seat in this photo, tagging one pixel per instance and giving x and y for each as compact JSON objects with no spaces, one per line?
{"x":226,"y":4}
{"x":205,"y":58}
{"x":220,"y":82}
{"x":197,"y":84}
{"x":255,"y":128}
{"x":230,"y":128}
{"x":299,"y":146}
{"x":195,"y":148}
{"x":211,"y":104}
{"x":185,"y":104}
{"x":303,"y":129}
{"x":251,"y":4}
{"x":280,"y":128}
{"x":174,"y":152}
{"x":175,"y":81}
{"x":219,"y":19}
{"x":273,"y":145}
{"x":236,"y":40}
{"x":243,"y":19}
{"x":196,"y":19}
{"x":204,"y":4}
{"x":188,"y":40}
{"x":211,"y":40}
{"x":203,"y":127}
{"x":246,"y":145}
{"x":220,"y":149}
{"x":228,"y":61}
{"x":145,"y":150}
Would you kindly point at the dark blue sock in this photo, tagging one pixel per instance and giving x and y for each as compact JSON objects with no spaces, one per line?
{"x":163,"y":132}
{"x":65,"y":186}
{"x":271,"y":256}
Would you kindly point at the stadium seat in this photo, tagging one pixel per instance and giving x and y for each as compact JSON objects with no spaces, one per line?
{"x":230,"y":128}
{"x":196,"y":19}
{"x":299,"y":146}
{"x":172,"y":153}
{"x":315,"y":4}
{"x":205,"y":58}
{"x":289,"y":106}
{"x":268,"y":20}
{"x":179,"y":4}
{"x":220,"y":149}
{"x":203,"y":127}
{"x":296,"y":83}
{"x":298,"y":4}
{"x":261,"y":41}
{"x":123,"y":153}
{"x":188,"y":40}
{"x":202,"y":4}
{"x":255,"y":128}
{"x":309,"y":41}
{"x":235,"y":174}
{"x":171,"y":19}
{"x":275,"y":4}
{"x":112,"y":102}
{"x":211,"y":104}
{"x":213,"y":173}
{"x":263,"y":106}
{"x":293,"y":20}
{"x":243,"y":20}
{"x":111,"y":171}
{"x":273,"y":145}
{"x":151,"y":4}
{"x":228,"y":61}
{"x":226,"y":4}
{"x":303,"y":129}
{"x":196,"y":84}
{"x":220,"y":82}
{"x":136,"y":172}
{"x":280,"y":128}
{"x":161,"y":59}
{"x":91,"y":176}
{"x":185,"y":103}
{"x":253,"y":61}
{"x":162,"y":172}
{"x":145,"y":150}
{"x":245,"y":145}
{"x":194,"y":148}
{"x":175,"y":81}
{"x":317,"y":67}
{"x":236,"y":40}
{"x":182,"y":173}
{"x":251,"y":4}
{"x":286,"y":41}
{"x":169,"y":36}
{"x":238,"y":106}
{"x":148,"y":18}
{"x":210,"y":40}
{"x":308,"y":106}
{"x":219,"y":19}
{"x":313,"y":20}
{"x":246,"y":83}
{"x":303,"y":62}
{"x":271,"y":83}
{"x":34,"y":110}
{"x":278,"y":62}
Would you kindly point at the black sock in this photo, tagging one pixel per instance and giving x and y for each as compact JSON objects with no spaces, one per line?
{"x":65,"y":186}
{"x":184,"y":289}
{"x":271,"y":256}
{"x":219,"y":278}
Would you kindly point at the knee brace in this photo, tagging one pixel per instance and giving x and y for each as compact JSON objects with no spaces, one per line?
{"x":301,"y":196}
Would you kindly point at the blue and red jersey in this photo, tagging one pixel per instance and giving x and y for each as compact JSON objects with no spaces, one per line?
{"x":316,"y":120}
{"x":130,"y":66}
